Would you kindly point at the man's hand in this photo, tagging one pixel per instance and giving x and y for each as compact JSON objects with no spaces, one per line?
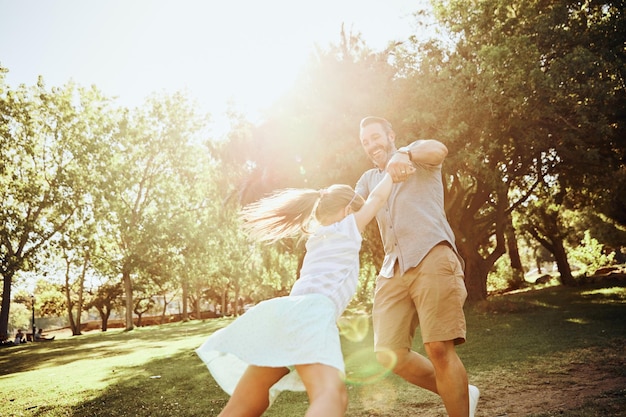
{"x":400,"y":167}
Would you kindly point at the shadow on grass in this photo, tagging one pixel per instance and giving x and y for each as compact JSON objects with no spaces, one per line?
{"x":178,"y":385}
{"x":100,"y":345}
{"x":540,"y":322}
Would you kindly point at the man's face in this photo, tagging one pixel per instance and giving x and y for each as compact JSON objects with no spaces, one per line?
{"x":378,"y":145}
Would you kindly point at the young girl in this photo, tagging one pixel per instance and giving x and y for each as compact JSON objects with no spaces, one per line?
{"x":254,"y":358}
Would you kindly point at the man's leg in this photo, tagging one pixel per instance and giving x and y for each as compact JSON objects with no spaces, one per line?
{"x":439,"y":294}
{"x":418,"y":370}
{"x":444,"y":375}
{"x":451,"y":377}
{"x":251,"y":396}
{"x":411,"y":366}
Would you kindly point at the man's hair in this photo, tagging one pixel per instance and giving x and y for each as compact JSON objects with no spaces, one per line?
{"x":370,"y":120}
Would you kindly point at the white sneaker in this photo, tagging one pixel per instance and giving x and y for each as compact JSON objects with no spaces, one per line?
{"x":474,"y":394}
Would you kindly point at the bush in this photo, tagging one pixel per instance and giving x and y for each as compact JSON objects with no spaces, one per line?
{"x":589,"y":255}
{"x":502,"y":276}
{"x":20,"y":318}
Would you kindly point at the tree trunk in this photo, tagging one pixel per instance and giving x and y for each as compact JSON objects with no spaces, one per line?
{"x":7,"y":279}
{"x":477,"y":267}
{"x":128,"y":290}
{"x":81,"y":289}
{"x":104,"y":312}
{"x":140,"y":312}
{"x":554,"y":244}
{"x":475,"y":278}
{"x":185,"y":295}
{"x":517,"y":280}
{"x":105,"y":319}
{"x":237,"y":304}
{"x":75,"y":323}
{"x":198,"y":302}
{"x":165,"y":303}
{"x":68,"y":295}
{"x":225,"y":301}
{"x":560,"y":256}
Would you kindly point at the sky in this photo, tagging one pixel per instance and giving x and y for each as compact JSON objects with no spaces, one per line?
{"x":247,"y":52}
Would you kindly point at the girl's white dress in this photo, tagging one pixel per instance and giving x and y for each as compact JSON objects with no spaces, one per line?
{"x":298,"y":329}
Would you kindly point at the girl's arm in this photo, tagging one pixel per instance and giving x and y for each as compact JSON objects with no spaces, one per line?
{"x":374,"y":202}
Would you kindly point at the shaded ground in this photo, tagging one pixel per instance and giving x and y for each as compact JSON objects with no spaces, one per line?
{"x":565,"y":384}
{"x":562,"y":383}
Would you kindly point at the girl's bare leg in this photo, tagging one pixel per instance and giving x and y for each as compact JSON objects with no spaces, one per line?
{"x":326,"y":389}
{"x":251,"y":396}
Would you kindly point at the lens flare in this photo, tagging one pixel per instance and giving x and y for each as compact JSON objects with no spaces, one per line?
{"x":354,"y":328}
{"x":362,"y":368}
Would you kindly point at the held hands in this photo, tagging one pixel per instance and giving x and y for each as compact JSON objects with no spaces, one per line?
{"x":400,"y":167}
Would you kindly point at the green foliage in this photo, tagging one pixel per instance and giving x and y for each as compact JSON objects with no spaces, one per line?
{"x":277,"y":269}
{"x":52,"y":147}
{"x":589,"y":255}
{"x":49,"y":299}
{"x":501,"y":276}
{"x":520,"y":94}
{"x":149,"y":189}
{"x":21,"y":318}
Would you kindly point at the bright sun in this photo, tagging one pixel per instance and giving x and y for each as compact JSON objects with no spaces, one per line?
{"x":243,"y":52}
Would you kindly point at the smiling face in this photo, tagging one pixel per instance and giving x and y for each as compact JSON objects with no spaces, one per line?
{"x":378,"y":143}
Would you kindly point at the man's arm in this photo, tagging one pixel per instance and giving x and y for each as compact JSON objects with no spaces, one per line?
{"x":425,"y":151}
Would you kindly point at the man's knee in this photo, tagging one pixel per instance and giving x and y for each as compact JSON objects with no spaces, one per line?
{"x":394,"y":360}
{"x":440,"y":352}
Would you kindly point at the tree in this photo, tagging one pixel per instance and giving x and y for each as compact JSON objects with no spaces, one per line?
{"x":143,"y":198}
{"x":544,"y":222}
{"x":106,"y":299}
{"x":516,"y":97}
{"x":49,"y":300}
{"x":75,"y":246}
{"x":50,"y":141}
{"x":590,"y":255}
{"x":76,"y":259}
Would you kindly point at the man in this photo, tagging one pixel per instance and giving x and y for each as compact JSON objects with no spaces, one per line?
{"x":40,"y":337}
{"x":421,"y":281}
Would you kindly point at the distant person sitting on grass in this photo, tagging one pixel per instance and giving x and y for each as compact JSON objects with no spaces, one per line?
{"x":40,"y":337}
{"x":19,"y":337}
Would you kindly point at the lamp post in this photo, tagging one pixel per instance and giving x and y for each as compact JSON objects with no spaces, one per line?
{"x":32,"y":298}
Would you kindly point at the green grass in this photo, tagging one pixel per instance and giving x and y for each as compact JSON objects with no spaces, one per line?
{"x":154,"y":371}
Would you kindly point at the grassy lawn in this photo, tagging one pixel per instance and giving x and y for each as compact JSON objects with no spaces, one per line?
{"x":513,"y":340}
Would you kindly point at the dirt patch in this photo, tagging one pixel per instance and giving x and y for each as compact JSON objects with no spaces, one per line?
{"x":551,"y":386}
{"x":556,"y":385}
